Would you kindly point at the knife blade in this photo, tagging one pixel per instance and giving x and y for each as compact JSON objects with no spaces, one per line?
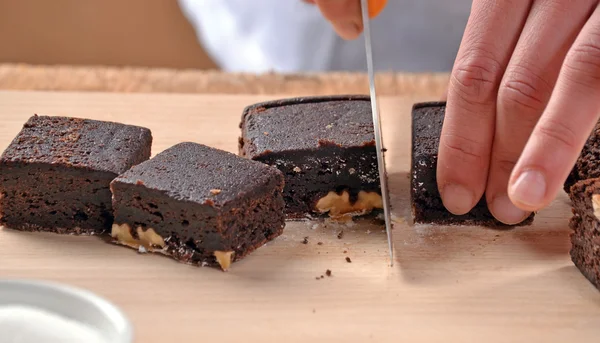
{"x":377,"y":128}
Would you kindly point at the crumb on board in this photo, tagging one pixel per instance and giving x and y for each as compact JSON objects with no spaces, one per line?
{"x":340,"y":234}
{"x":320,"y":243}
{"x":328,"y":272}
{"x":305,"y":240}
{"x":345,"y":251}
{"x":348,"y":259}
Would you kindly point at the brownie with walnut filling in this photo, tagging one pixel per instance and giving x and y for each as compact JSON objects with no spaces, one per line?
{"x":325,"y":147}
{"x":427,"y":206}
{"x":585,"y":226}
{"x":199,"y":205}
{"x":55,"y":174}
{"x":588,"y":163}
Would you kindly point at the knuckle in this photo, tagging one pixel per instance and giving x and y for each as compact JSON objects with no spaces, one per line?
{"x":583,"y":62}
{"x":475,"y":78}
{"x":464,"y":150}
{"x":554,"y":132}
{"x":524,"y":91}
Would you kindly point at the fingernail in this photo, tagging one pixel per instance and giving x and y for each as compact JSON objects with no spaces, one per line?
{"x":347,"y":30}
{"x":505,"y":211}
{"x":457,"y":199}
{"x":529,"y":189}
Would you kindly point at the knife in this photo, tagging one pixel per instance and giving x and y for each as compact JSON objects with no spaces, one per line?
{"x":377,"y":129}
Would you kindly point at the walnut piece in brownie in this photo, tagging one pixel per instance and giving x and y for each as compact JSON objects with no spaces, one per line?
{"x":168,"y":205}
{"x":55,"y":174}
{"x":588,"y":163}
{"x":324,"y":146}
{"x":585,"y":223}
{"x":427,"y":206}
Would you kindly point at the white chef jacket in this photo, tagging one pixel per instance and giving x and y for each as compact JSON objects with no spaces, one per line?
{"x":290,"y":36}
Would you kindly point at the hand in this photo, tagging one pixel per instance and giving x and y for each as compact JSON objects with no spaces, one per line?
{"x":524,"y":96}
{"x":345,"y":15}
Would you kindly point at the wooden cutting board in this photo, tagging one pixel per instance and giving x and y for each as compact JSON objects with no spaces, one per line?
{"x":449,"y":284}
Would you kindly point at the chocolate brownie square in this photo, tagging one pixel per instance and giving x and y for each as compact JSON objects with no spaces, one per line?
{"x":585,"y":223}
{"x":324,"y":146}
{"x":199,"y":205}
{"x":427,"y":206}
{"x":55,"y":174}
{"x":588,"y":163}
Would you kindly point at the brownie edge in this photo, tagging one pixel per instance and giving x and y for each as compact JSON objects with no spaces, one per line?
{"x":585,"y":226}
{"x":426,"y":202}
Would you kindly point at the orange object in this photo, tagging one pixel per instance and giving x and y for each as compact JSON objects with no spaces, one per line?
{"x":375,"y":7}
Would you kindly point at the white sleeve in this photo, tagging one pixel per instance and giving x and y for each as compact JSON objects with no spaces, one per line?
{"x":292,"y":36}
{"x":262,"y":35}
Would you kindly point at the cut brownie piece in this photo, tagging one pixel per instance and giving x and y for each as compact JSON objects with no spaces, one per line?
{"x":585,"y":223}
{"x":427,"y":206}
{"x":588,"y":163}
{"x":55,"y":174}
{"x":324,"y":146}
{"x":199,"y":205}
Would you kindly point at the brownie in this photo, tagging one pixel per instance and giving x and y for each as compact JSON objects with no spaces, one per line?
{"x":427,"y":206}
{"x":588,"y":163}
{"x":324,"y":146}
{"x":55,"y":174}
{"x":585,"y":226}
{"x":199,"y":205}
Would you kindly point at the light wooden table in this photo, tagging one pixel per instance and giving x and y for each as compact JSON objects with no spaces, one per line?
{"x":449,"y":284}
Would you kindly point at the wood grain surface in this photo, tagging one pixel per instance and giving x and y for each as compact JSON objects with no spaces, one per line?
{"x":163,"y":80}
{"x":449,"y":284}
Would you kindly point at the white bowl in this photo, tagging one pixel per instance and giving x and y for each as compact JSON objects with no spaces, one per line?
{"x":75,"y":304}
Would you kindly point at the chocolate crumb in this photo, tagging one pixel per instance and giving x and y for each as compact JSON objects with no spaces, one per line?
{"x":348,"y":259}
{"x":345,"y":251}
{"x":328,"y":272}
{"x":318,"y":278}
{"x":322,"y":277}
{"x":320,"y":243}
{"x":340,"y":235}
{"x":305,"y":240}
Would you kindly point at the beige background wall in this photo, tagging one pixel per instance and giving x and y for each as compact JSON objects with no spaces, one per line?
{"x":146,"y":33}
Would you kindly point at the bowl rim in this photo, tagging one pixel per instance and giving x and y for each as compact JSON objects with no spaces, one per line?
{"x":115,"y":315}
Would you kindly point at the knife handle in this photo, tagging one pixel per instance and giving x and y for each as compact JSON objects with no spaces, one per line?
{"x":375,"y":7}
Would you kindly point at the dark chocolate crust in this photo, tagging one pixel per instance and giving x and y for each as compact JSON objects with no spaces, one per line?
{"x":321,"y":144}
{"x":588,"y":163}
{"x":202,"y":200}
{"x":585,"y":226}
{"x":56,"y":173}
{"x":427,"y":206}
{"x":79,"y":143}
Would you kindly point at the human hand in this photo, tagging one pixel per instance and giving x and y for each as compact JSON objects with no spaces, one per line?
{"x":345,"y":15}
{"x":524,"y":95}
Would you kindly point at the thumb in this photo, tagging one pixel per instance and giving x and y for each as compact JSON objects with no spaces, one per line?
{"x":345,"y":15}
